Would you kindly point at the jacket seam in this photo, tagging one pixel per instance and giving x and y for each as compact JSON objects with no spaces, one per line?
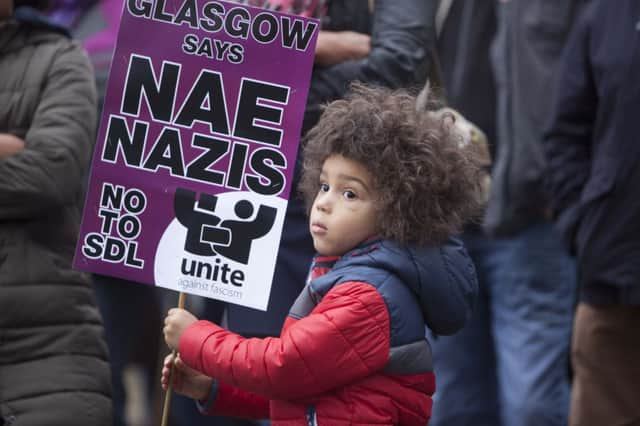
{"x":65,"y":391}
{"x":369,"y":311}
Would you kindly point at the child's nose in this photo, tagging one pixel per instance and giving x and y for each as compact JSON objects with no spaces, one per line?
{"x":323,"y":201}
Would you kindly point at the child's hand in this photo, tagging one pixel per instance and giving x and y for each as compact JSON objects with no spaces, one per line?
{"x":186,"y":380}
{"x":175,"y":324}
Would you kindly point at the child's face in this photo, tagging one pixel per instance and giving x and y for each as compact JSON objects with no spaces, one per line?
{"x":344,"y":212}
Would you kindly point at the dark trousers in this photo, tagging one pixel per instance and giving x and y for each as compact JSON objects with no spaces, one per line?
{"x":606,"y":361}
{"x":132,"y":324}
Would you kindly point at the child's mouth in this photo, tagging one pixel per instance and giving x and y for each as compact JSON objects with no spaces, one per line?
{"x":318,"y":228}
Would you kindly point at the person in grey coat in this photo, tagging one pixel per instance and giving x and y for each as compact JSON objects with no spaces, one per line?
{"x":53,"y":359}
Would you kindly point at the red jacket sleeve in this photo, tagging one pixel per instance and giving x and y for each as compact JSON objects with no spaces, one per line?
{"x":344,"y":339}
{"x":230,"y":401}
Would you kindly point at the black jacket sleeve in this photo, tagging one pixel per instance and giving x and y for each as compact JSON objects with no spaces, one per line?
{"x":570,"y":129}
{"x":48,"y":173}
{"x":403,"y":33}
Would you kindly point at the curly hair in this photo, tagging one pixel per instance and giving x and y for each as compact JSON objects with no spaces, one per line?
{"x":428,"y":183}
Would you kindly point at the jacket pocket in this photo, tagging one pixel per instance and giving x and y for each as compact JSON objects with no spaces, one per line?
{"x":601,"y":183}
{"x":570,"y":222}
{"x":6,"y":418}
{"x":593,"y":206}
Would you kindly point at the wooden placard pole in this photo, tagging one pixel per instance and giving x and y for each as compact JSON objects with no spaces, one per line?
{"x":167,"y":396}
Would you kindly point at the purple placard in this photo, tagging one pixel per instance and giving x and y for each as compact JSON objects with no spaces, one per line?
{"x":197,"y":143}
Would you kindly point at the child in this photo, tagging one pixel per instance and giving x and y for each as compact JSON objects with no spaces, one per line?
{"x":386,"y":188}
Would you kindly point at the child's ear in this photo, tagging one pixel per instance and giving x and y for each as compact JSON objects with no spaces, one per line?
{"x":381,"y":209}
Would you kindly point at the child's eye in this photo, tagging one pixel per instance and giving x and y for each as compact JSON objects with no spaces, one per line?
{"x":350,"y":195}
{"x":324,"y":187}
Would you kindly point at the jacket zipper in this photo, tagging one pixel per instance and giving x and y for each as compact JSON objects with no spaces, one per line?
{"x":312,"y":418}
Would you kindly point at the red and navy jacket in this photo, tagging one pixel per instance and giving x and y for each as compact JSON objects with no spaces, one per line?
{"x":353,"y":349}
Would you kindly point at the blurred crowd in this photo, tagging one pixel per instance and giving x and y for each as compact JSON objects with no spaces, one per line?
{"x":554,"y":338}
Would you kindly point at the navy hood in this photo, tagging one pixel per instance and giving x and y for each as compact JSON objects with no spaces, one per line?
{"x":442,"y":278}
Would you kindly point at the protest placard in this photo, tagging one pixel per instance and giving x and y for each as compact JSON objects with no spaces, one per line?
{"x":198,"y":139}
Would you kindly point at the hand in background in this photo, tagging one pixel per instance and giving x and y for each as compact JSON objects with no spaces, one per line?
{"x":175,"y":324}
{"x":186,"y":381}
{"x":334,"y":47}
{"x":9,"y":145}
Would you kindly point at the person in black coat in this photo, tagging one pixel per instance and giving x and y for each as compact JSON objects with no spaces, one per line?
{"x":593,"y":150}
